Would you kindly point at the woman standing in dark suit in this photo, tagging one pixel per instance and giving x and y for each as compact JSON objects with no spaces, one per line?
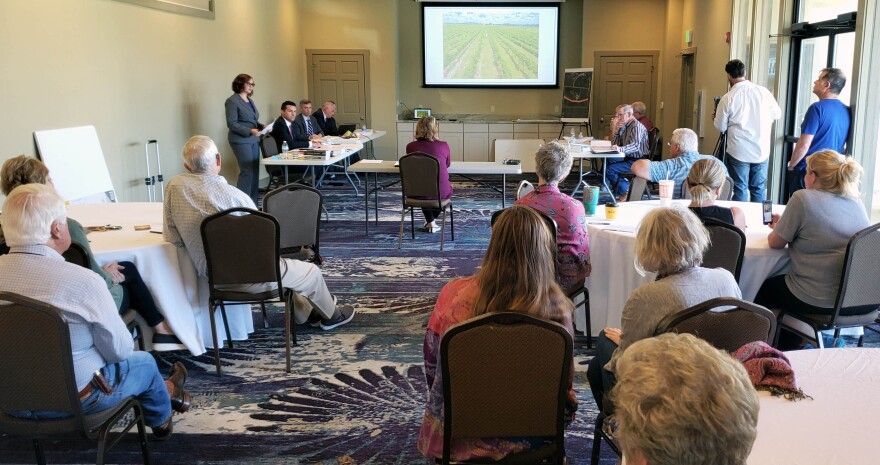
{"x":242,"y":119}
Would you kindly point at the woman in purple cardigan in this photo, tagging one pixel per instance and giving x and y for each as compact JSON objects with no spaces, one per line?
{"x":427,"y":142}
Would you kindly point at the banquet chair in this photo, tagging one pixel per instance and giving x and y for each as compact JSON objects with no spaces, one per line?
{"x":35,"y":334}
{"x":727,"y":248}
{"x":298,"y":210}
{"x":532,"y":356}
{"x":737,"y":322}
{"x":420,"y":184}
{"x":77,"y":255}
{"x":858,"y":296}
{"x":242,"y":246}
{"x":655,"y":144}
{"x":725,"y":194}
{"x":638,"y":187}
{"x":580,"y":296}
{"x":524,"y":188}
{"x":269,"y":148}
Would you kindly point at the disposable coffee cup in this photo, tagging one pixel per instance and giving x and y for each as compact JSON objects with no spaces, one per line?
{"x":666,"y":188}
{"x":591,"y":199}
{"x":610,"y":211}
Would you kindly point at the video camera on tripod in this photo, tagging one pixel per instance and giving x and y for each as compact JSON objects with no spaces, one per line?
{"x":721,"y":146}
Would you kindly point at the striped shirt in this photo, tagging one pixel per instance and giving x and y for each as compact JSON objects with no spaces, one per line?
{"x":632,"y":140}
{"x":97,"y":334}
{"x":189,"y":199}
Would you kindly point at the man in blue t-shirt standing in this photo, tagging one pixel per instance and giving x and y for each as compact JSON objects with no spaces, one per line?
{"x":825,"y":126}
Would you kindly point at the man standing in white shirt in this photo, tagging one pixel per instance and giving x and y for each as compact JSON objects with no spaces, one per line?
{"x":746,"y":113}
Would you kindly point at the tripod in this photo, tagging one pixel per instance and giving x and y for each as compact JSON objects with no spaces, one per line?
{"x":721,"y":148}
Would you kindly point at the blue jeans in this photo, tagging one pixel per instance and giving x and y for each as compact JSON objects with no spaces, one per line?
{"x":137,"y":376}
{"x":613,"y":172}
{"x":751,"y":177}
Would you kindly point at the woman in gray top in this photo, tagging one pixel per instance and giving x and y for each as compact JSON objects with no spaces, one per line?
{"x":242,"y":119}
{"x":670,"y":242}
{"x":816,"y":226}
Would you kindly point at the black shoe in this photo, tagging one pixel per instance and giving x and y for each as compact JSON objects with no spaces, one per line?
{"x":166,"y":342}
{"x":342,"y":316}
{"x":161,"y":433}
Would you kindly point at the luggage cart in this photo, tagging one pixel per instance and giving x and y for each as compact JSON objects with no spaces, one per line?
{"x":151,"y":180}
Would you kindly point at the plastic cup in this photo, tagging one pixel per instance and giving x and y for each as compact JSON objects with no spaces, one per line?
{"x":591,"y":199}
{"x":610,"y":210}
{"x":666,"y":187}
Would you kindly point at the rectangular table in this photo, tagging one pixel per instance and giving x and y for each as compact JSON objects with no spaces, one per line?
{"x":339,"y":154}
{"x":461,"y":168}
{"x":587,"y":154}
{"x":612,"y":252}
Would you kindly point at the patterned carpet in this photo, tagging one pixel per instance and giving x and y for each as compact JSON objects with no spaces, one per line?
{"x":356,"y":394}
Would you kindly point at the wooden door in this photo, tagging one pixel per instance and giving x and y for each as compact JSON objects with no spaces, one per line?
{"x":686,"y":108}
{"x":622,"y":77}
{"x":343,"y":77}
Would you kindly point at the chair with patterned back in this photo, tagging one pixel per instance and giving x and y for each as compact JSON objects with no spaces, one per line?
{"x":34,"y":334}
{"x":858,"y":296}
{"x":531,"y":354}
{"x":725,"y":322}
{"x":420,"y":185}
{"x":727,"y":249}
{"x":242,"y":246}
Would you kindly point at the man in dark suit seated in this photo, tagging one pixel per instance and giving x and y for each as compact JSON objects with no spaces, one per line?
{"x":325,"y":117}
{"x":307,"y":122}
{"x":283,"y":130}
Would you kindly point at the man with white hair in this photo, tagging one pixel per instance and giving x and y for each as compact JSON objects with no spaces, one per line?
{"x":192,"y":197}
{"x":106,"y":367}
{"x":683,"y":154}
{"x":631,"y":138}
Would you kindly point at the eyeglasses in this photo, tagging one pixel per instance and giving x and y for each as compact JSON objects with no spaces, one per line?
{"x":250,"y":84}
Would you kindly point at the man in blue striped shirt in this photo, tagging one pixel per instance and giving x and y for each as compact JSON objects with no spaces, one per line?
{"x":631,"y":139}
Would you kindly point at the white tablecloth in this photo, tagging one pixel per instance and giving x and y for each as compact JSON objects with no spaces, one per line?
{"x":838,"y":426}
{"x":612,"y":251}
{"x":167,"y":270}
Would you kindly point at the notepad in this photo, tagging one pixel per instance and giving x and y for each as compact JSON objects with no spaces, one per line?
{"x":371,"y":161}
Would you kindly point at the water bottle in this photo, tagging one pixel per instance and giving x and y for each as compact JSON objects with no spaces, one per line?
{"x":364,"y":128}
{"x":572,"y":133}
{"x":284,"y":148}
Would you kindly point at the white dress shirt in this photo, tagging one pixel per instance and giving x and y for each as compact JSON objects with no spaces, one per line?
{"x":747,"y":113}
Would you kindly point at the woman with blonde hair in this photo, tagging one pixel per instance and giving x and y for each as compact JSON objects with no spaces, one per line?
{"x":680,"y":401}
{"x":517,"y":275}
{"x":671,"y":243}
{"x":123,"y":279}
{"x":426,"y":142}
{"x":552,"y":165}
{"x":816,"y":226}
{"x":705,"y":180}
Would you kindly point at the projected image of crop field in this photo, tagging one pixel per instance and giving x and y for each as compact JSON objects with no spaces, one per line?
{"x":490,"y":51}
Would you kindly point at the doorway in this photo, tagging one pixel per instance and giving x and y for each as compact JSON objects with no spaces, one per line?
{"x":342,"y":76}
{"x":623,"y":77}
{"x":687,"y":89}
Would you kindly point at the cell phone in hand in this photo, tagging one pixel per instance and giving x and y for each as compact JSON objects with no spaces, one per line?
{"x":768,"y":211}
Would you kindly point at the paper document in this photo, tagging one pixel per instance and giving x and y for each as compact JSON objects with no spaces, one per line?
{"x":371,"y":161}
{"x":266,"y":130}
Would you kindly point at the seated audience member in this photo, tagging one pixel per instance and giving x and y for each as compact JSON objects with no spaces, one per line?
{"x":511,"y":282}
{"x":817,"y":225}
{"x":683,"y":154}
{"x":552,"y":165}
{"x":671,"y":243}
{"x":427,"y":143}
{"x":639,"y":111}
{"x":192,"y":197}
{"x":35,"y":223}
{"x":631,"y":138}
{"x":680,"y":401}
{"x":705,"y":181}
{"x":123,"y":279}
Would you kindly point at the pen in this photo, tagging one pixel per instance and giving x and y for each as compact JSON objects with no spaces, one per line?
{"x":156,"y":232}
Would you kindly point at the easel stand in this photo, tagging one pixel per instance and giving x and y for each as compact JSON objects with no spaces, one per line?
{"x":578,"y":122}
